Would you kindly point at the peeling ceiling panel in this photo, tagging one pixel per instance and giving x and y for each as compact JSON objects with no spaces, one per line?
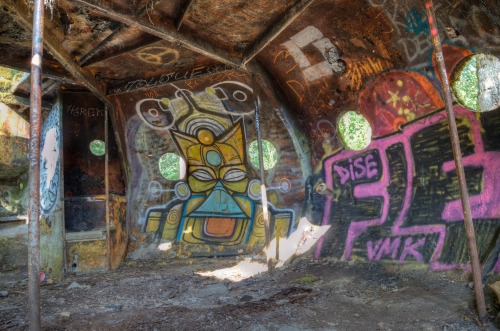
{"x":122,"y":42}
{"x":233,"y":24}
{"x":79,"y":29}
{"x":11,"y":32}
{"x":161,"y":9}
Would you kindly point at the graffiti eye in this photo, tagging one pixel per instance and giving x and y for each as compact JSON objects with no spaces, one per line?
{"x":234,"y":175}
{"x":202,"y":175}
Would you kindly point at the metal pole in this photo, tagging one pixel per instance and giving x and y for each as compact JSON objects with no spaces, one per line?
{"x":464,"y":195}
{"x":34,"y":171}
{"x":262,"y":177}
{"x":106,"y":184}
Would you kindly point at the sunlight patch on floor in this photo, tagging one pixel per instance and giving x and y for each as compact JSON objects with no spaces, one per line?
{"x":243,"y":270}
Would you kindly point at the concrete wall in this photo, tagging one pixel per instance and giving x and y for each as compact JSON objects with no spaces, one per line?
{"x":397,"y":201}
{"x":14,"y":133}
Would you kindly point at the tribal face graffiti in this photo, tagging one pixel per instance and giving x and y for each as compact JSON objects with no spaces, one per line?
{"x":217,"y":207}
{"x":218,"y":175}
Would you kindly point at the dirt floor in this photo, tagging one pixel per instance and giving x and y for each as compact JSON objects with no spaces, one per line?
{"x":213,"y":294}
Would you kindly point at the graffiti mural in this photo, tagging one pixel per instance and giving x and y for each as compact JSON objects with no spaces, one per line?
{"x":215,"y":207}
{"x":50,"y":147}
{"x":400,"y":195}
{"x":311,"y":35}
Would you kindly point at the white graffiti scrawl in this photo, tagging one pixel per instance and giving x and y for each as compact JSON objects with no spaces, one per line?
{"x":311,"y":35}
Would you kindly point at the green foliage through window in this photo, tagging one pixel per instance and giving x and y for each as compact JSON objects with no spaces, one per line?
{"x":466,"y":85}
{"x":9,"y":78}
{"x":269,"y":154}
{"x":172,"y":167}
{"x":97,"y":147}
{"x":354,"y":131}
{"x":476,"y":82}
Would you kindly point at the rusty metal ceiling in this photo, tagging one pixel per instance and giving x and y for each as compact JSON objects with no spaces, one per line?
{"x":115,"y":46}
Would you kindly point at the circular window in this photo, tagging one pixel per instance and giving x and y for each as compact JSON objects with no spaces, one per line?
{"x":476,"y":82}
{"x":354,"y":131}
{"x":172,"y":166}
{"x":269,"y":154}
{"x":97,"y":147}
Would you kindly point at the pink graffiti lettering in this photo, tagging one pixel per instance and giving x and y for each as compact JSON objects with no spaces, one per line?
{"x":410,"y":249}
{"x":485,"y":205}
{"x":357,"y":170}
{"x":385,"y":247}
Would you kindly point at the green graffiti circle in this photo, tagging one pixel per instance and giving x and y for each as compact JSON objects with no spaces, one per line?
{"x":213,"y":158}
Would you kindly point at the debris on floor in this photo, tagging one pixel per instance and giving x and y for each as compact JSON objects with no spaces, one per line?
{"x":213,"y":294}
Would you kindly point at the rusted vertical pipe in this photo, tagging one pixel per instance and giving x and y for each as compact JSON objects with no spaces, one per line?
{"x":106,"y":184}
{"x":34,"y":171}
{"x":262,"y":177}
{"x":455,"y":142}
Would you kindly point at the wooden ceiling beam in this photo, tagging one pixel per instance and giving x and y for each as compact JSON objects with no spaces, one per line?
{"x":184,"y":10}
{"x":121,"y":27}
{"x":199,"y":46}
{"x":101,"y":45}
{"x":122,"y":51}
{"x":24,"y":17}
{"x":270,"y":34}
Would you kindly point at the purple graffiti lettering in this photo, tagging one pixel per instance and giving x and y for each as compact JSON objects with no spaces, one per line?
{"x":343,"y":173}
{"x":358,"y":164}
{"x":410,"y":249}
{"x":370,"y":172}
{"x":484,"y":205}
{"x":389,"y":248}
{"x":383,"y":247}
{"x":357,"y":170}
{"x":371,"y":250}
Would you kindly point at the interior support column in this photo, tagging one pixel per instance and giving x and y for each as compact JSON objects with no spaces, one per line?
{"x":457,"y":154}
{"x":34,"y":169}
{"x":263,"y":190}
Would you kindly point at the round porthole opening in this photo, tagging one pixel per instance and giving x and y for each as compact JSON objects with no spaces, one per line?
{"x":269,"y":154}
{"x":97,"y":147}
{"x":354,"y":131}
{"x":172,"y":166}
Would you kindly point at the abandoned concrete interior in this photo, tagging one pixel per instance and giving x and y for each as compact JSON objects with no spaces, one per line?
{"x":312,"y":139}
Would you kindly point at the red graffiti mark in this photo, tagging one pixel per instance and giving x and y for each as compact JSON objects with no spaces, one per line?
{"x":399,"y":96}
{"x":285,"y":51}
{"x":151,"y":94}
{"x":398,"y":122}
{"x":192,"y":83}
